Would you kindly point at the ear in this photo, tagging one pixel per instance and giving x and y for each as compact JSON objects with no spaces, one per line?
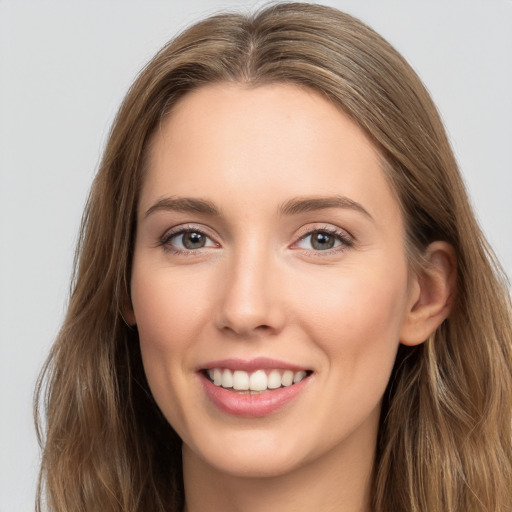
{"x":432,"y":294}
{"x":127,"y":314}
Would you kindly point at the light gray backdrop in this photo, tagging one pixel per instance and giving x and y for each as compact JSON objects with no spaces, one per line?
{"x":64,"y":67}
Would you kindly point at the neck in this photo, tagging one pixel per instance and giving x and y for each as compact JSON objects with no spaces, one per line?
{"x":338,"y":481}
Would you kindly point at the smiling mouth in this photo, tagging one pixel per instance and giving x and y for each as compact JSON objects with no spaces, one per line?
{"x":255,"y":382}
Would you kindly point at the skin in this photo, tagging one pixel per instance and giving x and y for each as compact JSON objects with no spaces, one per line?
{"x":260,"y":288}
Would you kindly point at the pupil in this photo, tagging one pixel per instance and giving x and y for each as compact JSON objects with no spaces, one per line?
{"x":322,"y":241}
{"x":193,"y":240}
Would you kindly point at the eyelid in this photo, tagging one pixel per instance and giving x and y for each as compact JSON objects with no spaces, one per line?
{"x":165,"y":239}
{"x":345,"y":238}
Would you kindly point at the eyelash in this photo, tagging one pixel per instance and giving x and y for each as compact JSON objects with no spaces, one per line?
{"x":166,"y":239}
{"x":346,"y":241}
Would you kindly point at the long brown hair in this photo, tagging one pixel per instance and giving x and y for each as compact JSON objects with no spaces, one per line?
{"x":445,"y":439}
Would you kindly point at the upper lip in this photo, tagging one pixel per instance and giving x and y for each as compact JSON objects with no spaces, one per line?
{"x":251,"y":365}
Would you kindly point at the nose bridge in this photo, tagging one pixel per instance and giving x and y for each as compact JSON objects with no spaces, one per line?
{"x":250,"y":291}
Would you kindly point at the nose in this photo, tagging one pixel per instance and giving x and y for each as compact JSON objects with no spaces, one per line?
{"x":251,"y":296}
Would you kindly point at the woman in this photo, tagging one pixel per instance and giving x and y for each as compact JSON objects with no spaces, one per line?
{"x":281,"y":298}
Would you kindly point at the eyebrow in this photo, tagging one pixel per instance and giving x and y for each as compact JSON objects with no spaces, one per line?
{"x":184,"y":204}
{"x":293,"y":206}
{"x":309,"y":204}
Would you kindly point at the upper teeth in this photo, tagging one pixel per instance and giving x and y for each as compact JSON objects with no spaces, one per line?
{"x":259,"y":380}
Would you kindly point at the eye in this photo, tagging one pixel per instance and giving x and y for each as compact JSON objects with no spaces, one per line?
{"x":323,"y":240}
{"x":187,"y":240}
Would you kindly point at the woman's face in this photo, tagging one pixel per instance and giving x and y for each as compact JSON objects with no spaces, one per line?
{"x":269,"y":248}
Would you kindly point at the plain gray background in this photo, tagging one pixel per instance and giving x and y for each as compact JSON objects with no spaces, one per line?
{"x":64,"y":68}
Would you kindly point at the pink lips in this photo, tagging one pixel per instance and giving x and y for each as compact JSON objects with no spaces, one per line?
{"x":252,"y":365}
{"x":250,"y":405}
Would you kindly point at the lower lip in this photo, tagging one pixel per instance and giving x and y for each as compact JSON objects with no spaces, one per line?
{"x":251,"y":406}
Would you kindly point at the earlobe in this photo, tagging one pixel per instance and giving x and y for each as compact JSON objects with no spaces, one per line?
{"x":432,"y":294}
{"x":128,"y":315}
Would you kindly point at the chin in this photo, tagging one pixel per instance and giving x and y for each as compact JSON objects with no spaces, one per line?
{"x":247,"y":463}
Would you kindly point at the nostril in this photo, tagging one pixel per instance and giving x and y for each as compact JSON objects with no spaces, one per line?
{"x":247,"y":331}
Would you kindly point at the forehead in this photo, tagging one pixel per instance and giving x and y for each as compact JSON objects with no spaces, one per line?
{"x":274,"y":141}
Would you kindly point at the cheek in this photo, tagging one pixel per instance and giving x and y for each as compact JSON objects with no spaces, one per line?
{"x":356,"y":325}
{"x":357,"y":318}
{"x":170,"y":315}
{"x":168,"y":321}
{"x":168,"y":309}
